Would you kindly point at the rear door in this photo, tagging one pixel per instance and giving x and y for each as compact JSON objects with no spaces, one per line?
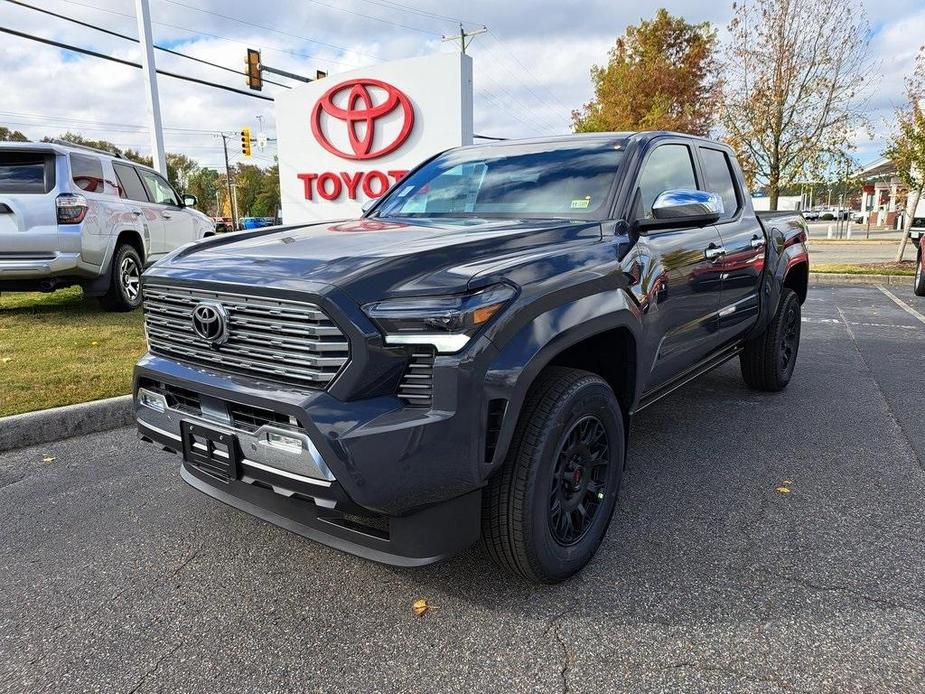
{"x":743,"y":241}
{"x":28,"y":217}
{"x":147,"y":214}
{"x":179,"y":227}
{"x":682,"y":295}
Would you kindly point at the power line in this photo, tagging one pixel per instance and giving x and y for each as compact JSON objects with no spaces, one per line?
{"x":134,"y":40}
{"x":269,"y":28}
{"x":113,"y":125}
{"x":95,"y":54}
{"x":206,"y":34}
{"x":368,"y":16}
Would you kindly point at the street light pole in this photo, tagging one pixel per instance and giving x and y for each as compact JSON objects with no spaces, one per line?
{"x":148,"y":68}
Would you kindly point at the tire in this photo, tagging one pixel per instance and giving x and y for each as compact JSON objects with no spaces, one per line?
{"x":570,"y":418}
{"x":769,"y":359}
{"x":919,"y":285}
{"x":124,"y":293}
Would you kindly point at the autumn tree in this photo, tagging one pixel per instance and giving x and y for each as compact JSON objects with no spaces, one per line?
{"x":906,"y":148}
{"x":660,"y":75}
{"x":792,"y":70}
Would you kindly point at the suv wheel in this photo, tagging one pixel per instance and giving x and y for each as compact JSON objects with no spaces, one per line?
{"x":919,"y":285}
{"x":768,"y":360}
{"x":546,"y":511}
{"x":124,"y":292}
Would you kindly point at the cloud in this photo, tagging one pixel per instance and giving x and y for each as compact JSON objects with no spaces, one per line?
{"x":531,"y":69}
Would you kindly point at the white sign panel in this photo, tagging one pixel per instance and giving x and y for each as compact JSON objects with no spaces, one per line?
{"x":346,"y":138}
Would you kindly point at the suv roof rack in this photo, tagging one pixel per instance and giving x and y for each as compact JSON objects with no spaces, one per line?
{"x":65,"y":143}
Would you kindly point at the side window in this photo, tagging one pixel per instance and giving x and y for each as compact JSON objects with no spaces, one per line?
{"x":87,"y":173}
{"x":669,"y":167}
{"x":129,"y":184}
{"x":159,"y":190}
{"x":717,"y":178}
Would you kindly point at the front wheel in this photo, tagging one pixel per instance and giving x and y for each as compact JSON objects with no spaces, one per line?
{"x":919,"y":285}
{"x":768,"y":359}
{"x":546,"y":511}
{"x":124,"y":292}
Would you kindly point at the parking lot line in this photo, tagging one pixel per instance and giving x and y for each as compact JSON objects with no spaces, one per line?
{"x":902,"y":304}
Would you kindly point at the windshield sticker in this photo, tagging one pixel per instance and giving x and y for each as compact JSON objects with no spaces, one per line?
{"x":581,"y":204}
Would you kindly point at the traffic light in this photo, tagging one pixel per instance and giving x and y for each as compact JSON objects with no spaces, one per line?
{"x":254,"y":75}
{"x":246,"y":142}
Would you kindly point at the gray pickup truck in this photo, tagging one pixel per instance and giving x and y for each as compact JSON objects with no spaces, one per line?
{"x":75,"y":215}
{"x":465,"y":359}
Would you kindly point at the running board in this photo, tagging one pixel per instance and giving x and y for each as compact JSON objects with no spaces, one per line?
{"x":695,"y":372}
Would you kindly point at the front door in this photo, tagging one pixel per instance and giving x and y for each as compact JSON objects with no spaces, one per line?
{"x":682,"y":293}
{"x":179,"y":227}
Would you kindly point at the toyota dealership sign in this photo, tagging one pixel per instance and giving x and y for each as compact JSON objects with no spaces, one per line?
{"x":344,"y":139}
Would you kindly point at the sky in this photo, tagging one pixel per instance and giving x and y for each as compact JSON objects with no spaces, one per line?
{"x":531,"y":69}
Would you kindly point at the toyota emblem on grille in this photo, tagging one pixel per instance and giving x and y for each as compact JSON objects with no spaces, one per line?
{"x":210,"y":322}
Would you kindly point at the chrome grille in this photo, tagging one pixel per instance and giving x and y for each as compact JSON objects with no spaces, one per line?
{"x":293,"y":342}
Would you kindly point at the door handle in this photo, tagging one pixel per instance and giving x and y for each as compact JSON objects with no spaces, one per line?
{"x":714,"y":253}
{"x":165,"y":214}
{"x":757,"y":242}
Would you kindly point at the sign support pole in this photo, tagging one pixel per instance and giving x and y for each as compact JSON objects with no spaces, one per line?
{"x":148,"y":68}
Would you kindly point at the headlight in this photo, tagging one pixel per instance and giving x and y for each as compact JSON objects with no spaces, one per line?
{"x":446,"y":322}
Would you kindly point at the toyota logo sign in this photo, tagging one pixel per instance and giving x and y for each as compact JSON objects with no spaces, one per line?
{"x":210,"y":322}
{"x":360,"y":116}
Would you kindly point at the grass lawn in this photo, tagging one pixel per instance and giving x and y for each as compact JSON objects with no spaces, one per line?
{"x":60,"y":349}
{"x":905,"y":267}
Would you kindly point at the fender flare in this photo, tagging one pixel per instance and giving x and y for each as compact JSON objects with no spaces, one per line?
{"x":540,"y":340}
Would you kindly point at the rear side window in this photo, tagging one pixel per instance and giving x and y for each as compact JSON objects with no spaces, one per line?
{"x":129,"y":184}
{"x":26,"y":172}
{"x":87,"y":173}
{"x":717,"y":178}
{"x":668,"y":168}
{"x":159,"y":190}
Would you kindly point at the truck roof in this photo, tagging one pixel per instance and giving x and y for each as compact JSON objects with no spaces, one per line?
{"x":596,"y":137}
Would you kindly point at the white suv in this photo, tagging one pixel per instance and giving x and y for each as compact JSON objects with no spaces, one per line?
{"x":75,"y":215}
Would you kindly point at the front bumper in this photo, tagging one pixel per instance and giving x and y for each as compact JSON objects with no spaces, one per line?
{"x":371,"y":477}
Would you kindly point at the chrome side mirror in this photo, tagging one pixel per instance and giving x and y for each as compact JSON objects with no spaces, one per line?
{"x":683,"y":204}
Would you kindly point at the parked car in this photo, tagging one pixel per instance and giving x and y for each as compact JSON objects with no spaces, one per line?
{"x":258,"y":222}
{"x":466,"y":358}
{"x":811,"y":215}
{"x":75,"y":215}
{"x":919,"y":282}
{"x":222,"y":224}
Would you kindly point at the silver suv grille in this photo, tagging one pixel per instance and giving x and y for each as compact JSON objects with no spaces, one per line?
{"x":293,"y":342}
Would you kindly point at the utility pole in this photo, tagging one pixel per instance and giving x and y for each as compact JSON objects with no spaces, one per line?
{"x":231,"y":201}
{"x":464,"y":37}
{"x":148,"y":68}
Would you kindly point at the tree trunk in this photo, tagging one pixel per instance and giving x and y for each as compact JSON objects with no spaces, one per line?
{"x":912,"y":202}
{"x":773,"y":194}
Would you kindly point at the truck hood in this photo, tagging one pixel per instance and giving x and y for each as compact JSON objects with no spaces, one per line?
{"x":370,"y":258}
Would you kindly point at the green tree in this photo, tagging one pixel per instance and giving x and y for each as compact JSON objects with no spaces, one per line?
{"x":660,"y":75}
{"x":204,"y":183}
{"x":7,"y":135}
{"x":906,"y":148}
{"x":791,"y":72}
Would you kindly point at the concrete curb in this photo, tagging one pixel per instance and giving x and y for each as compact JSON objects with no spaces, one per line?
{"x":44,"y":426}
{"x":817,"y":278}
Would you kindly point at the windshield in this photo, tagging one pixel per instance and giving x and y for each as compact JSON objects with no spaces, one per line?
{"x":551,"y":179}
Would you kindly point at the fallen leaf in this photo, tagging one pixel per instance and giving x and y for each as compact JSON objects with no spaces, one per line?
{"x":783,"y":490}
{"x":788,"y":481}
{"x":94,"y":343}
{"x":6,"y":360}
{"x":49,"y":459}
{"x":419,"y":607}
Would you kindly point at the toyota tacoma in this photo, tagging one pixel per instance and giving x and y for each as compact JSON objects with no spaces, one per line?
{"x":463,"y":361}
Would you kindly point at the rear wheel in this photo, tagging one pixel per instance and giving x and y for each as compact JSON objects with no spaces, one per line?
{"x":768,"y":360}
{"x":546,"y":511}
{"x":124,"y":292}
{"x":919,"y":285}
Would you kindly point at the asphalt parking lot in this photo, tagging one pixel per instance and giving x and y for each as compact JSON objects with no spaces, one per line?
{"x":117,"y":577}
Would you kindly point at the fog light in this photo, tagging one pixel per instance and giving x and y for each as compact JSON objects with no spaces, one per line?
{"x":287,"y":443}
{"x":154,"y":401}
